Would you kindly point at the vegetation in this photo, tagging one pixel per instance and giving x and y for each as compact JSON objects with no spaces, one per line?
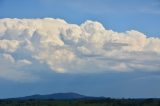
{"x":101,"y":102}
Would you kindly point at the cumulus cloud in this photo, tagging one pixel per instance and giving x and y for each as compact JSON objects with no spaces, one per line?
{"x":8,"y":45}
{"x":71,"y":48}
{"x":9,"y":69}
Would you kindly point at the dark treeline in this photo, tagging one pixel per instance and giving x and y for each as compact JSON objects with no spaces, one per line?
{"x":82,"y":102}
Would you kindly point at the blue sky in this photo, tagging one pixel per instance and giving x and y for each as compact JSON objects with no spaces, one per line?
{"x":119,"y":16}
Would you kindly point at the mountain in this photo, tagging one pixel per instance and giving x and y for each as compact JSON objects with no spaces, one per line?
{"x":55,"y":96}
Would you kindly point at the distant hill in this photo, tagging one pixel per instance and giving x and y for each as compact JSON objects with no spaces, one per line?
{"x":71,"y":96}
{"x":74,"y":99}
{"x":55,"y":96}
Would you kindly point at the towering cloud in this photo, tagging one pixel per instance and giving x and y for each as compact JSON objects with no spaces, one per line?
{"x":70,"y":48}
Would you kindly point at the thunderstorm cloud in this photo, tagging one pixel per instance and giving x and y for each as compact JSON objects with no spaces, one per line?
{"x":71,"y":48}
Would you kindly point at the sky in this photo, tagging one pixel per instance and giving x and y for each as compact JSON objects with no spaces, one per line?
{"x":94,"y":47}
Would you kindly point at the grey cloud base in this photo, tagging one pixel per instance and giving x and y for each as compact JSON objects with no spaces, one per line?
{"x":71,"y":48}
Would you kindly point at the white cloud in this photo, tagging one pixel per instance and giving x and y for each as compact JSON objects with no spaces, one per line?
{"x":9,"y":69}
{"x":8,"y":45}
{"x":24,"y":62}
{"x":70,"y":48}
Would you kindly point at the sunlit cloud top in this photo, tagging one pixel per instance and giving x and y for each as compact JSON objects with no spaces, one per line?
{"x":70,"y":48}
